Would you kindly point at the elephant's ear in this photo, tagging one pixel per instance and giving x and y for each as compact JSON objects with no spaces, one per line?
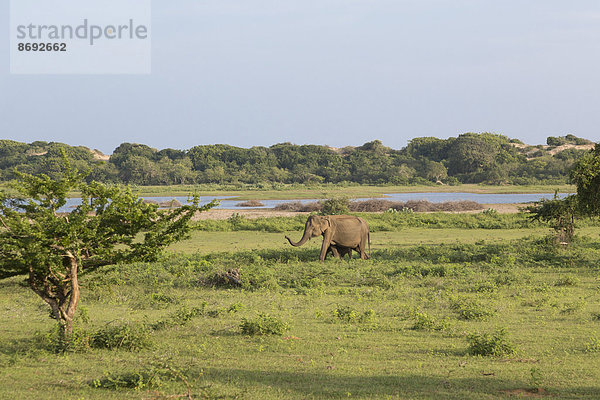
{"x":326,"y":223}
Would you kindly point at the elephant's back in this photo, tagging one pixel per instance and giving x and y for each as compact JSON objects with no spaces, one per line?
{"x":350,"y":223}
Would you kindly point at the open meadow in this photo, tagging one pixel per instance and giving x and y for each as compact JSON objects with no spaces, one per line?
{"x":324,"y":191}
{"x":452,"y":306}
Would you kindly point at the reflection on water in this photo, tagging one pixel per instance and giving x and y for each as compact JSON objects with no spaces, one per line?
{"x":506,"y":198}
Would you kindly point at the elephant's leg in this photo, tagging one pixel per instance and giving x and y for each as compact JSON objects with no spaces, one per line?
{"x":344,"y":251}
{"x":362,"y":251}
{"x":362,"y":248}
{"x":335,"y":251}
{"x":325,"y":246}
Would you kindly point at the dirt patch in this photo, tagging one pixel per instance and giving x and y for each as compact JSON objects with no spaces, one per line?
{"x":564,"y":147}
{"x":218,"y":214}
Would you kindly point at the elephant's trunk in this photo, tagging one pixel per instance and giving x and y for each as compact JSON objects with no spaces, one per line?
{"x":304,"y":239}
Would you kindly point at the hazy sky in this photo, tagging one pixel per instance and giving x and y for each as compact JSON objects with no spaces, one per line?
{"x":336,"y":72}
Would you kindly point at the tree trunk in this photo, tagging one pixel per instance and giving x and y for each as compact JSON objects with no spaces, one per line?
{"x":68,"y":313}
{"x":61,"y":292}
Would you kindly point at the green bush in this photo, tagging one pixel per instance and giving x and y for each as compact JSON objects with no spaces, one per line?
{"x":567,"y":280}
{"x":127,"y":336}
{"x":470,"y":309}
{"x":426,"y":322}
{"x":490,"y":344}
{"x":53,"y":341}
{"x":149,"y":377}
{"x":264,"y":324}
{"x":423,"y":321}
{"x":593,"y":346}
{"x":335,"y":206}
{"x":138,"y":380}
{"x":180,"y":317}
{"x":350,"y":315}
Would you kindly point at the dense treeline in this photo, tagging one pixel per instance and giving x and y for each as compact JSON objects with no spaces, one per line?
{"x":468,"y":158}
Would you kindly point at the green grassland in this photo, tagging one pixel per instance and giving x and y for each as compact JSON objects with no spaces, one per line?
{"x":402,"y":325}
{"x":323,"y":191}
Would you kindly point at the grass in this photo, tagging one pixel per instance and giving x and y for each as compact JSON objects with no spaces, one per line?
{"x":325,"y":191}
{"x":389,"y":327}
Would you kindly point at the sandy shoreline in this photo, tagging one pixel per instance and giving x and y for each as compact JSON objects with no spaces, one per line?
{"x":253,"y":213}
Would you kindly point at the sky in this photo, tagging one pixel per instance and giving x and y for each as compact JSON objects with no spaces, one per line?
{"x":332,"y":72}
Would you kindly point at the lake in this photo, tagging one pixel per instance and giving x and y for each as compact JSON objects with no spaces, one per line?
{"x":482,"y":198}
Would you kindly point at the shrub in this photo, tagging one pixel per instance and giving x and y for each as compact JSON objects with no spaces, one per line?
{"x":229,"y":278}
{"x":152,"y":376}
{"x":335,"y":206}
{"x":470,"y":309}
{"x":297,"y":206}
{"x":381,"y":205}
{"x":573,"y":307}
{"x":264,"y":324}
{"x":490,"y":211}
{"x":53,"y":341}
{"x":235,"y":307}
{"x":490,"y":344}
{"x":128,"y":336}
{"x":180,"y":317}
{"x":236,"y":219}
{"x":567,"y":280}
{"x":350,"y":315}
{"x":157,"y":300}
{"x":593,"y":346}
{"x":138,"y":380}
{"x":423,"y":321}
{"x":250,"y":203}
{"x":288,"y":206}
{"x":426,"y":322}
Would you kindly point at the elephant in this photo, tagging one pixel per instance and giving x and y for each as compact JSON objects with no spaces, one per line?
{"x":339,"y":232}
{"x":339,"y":251}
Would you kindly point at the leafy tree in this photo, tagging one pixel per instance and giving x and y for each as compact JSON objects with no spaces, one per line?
{"x":433,"y":171}
{"x":428,"y":147}
{"x":54,"y":248}
{"x":560,"y":214}
{"x":555,"y":141}
{"x":586,"y":175}
{"x":468,"y":158}
{"x":472,"y":152}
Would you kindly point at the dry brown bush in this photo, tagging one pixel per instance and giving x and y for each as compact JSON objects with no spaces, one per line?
{"x":380,"y":205}
{"x":311,"y":207}
{"x":290,"y":206}
{"x":170,"y":204}
{"x":298,"y":206}
{"x":374,"y":205}
{"x":250,"y":203}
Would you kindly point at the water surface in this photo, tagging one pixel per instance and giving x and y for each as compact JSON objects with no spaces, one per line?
{"x":482,"y":198}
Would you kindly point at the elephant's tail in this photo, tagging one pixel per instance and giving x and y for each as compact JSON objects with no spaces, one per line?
{"x":369,"y":240}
